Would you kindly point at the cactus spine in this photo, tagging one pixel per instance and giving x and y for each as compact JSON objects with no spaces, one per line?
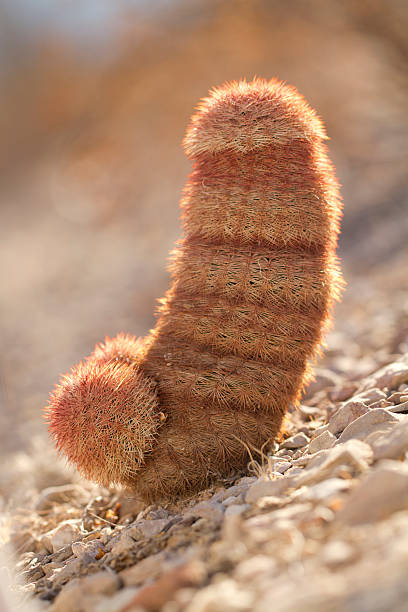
{"x":253,"y":283}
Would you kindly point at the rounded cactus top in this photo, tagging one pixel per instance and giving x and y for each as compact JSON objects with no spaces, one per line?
{"x":242,"y":116}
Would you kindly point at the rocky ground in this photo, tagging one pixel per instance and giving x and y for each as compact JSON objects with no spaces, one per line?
{"x":320,"y":521}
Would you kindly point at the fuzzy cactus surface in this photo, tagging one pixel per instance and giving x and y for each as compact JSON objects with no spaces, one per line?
{"x":254,"y":279}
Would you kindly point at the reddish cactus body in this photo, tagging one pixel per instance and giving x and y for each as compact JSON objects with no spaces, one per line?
{"x":253,"y":283}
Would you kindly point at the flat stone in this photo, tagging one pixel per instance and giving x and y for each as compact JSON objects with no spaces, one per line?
{"x":370,"y":395}
{"x":145,"y":529}
{"x":154,"y":596}
{"x":226,"y":595}
{"x":267,"y":488}
{"x":65,"y":533}
{"x":349,"y":412}
{"x":297,"y":441}
{"x":66,"y":572}
{"x":403,"y":407}
{"x":381,"y":404}
{"x":353,"y":453}
{"x":397,"y":397}
{"x":337,"y":553}
{"x":117,"y":602}
{"x":392,"y":444}
{"x":325,"y":440}
{"x":72,"y":598}
{"x":281,"y":466}
{"x":123,"y":545}
{"x":235,"y":490}
{"x":381,"y":492}
{"x":211,"y":510}
{"x":324,"y":490}
{"x":250,"y":569}
{"x":237,"y":509}
{"x":373,"y":420}
{"x":104,"y":582}
{"x":148,"y":568}
{"x":319,"y":430}
{"x":92,"y":548}
{"x":390,"y":376}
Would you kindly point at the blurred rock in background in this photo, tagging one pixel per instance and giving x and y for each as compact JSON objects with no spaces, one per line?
{"x":95,"y":98}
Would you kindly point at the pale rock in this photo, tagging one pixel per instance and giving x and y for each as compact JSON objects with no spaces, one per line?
{"x":293,"y":471}
{"x":270,"y":502}
{"x":145,"y":529}
{"x":390,"y":376}
{"x":48,"y":569}
{"x":281,"y":466}
{"x":381,"y":492}
{"x":381,"y":404}
{"x":211,"y":510}
{"x":66,"y":572}
{"x":223,"y":596}
{"x":103,"y":582}
{"x":349,"y":412}
{"x":123,"y":545}
{"x":374,"y":435}
{"x":297,"y":441}
{"x":324,"y":490}
{"x":319,"y":430}
{"x":337,"y":552}
{"x":266,"y":488}
{"x":403,"y":407}
{"x":234,"y":491}
{"x":222,"y":494}
{"x":245,"y":481}
{"x":63,"y":535}
{"x":325,"y":440}
{"x":374,"y":420}
{"x":283,"y":454}
{"x":254,"y":567}
{"x":231,"y":529}
{"x":353,"y":453}
{"x":236,"y":509}
{"x":229,"y":501}
{"x":290,"y":512}
{"x":117,"y":602}
{"x":72,"y":598}
{"x":398,"y":397}
{"x":90,"y":549}
{"x":392,"y":444}
{"x":146,"y":569}
{"x":322,"y":514}
{"x":370,"y":395}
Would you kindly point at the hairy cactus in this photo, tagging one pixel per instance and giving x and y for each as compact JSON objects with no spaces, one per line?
{"x":253,"y":283}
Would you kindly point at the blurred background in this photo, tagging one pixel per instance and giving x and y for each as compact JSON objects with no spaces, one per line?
{"x":95,"y":96}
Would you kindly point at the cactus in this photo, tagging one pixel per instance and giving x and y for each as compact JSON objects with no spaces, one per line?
{"x":253,"y":284}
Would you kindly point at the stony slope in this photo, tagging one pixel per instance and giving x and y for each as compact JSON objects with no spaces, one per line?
{"x":321,"y":522}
